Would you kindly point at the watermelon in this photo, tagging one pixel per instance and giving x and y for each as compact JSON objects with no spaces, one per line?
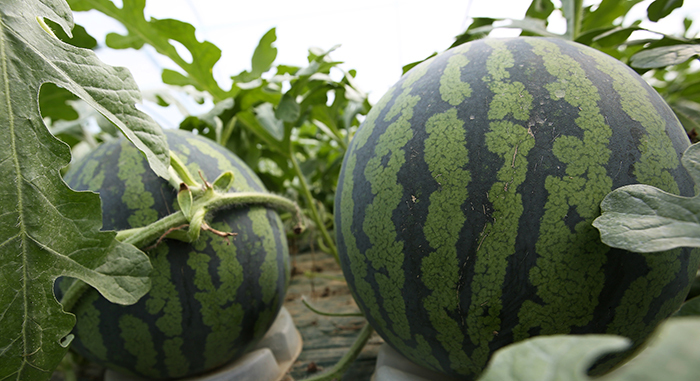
{"x":210,"y":300}
{"x":465,"y":201}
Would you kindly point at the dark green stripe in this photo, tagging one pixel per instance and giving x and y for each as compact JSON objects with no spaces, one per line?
{"x":658,"y":155}
{"x":573,"y":258}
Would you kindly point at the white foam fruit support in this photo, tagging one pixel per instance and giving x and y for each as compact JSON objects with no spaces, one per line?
{"x":269,"y":360}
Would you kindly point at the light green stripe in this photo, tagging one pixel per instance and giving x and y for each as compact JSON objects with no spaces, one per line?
{"x":631,"y":314}
{"x":175,"y":361}
{"x":657,"y":157}
{"x":269,"y":272}
{"x":508,"y":97}
{"x":88,"y":177}
{"x":163,"y":299}
{"x":87,"y":326}
{"x":358,"y":265}
{"x":219,"y":310}
{"x":386,"y":252}
{"x":573,"y":259}
{"x":446,"y":155}
{"x":139,"y":342}
{"x":657,"y":152}
{"x":511,"y":142}
{"x":422,"y":353}
{"x":452,"y":89}
{"x":131,"y":167}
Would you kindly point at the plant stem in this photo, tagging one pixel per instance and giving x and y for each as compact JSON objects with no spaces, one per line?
{"x":311,"y":201}
{"x":573,"y":11}
{"x":344,"y":363}
{"x":142,"y":237}
{"x":322,"y":313}
{"x":227,"y":130}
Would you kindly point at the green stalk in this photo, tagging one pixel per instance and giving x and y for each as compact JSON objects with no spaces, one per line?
{"x":227,"y":130}
{"x":322,"y":313}
{"x":144,"y":236}
{"x":311,"y":201}
{"x":180,"y":168}
{"x":573,"y":11}
{"x":344,"y":363}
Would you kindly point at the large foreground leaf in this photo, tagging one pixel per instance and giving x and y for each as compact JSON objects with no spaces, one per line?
{"x":46,"y":229}
{"x":646,"y":219}
{"x":673,"y":354}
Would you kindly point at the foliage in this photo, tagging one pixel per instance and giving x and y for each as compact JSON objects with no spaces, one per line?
{"x":645,"y":219}
{"x":47,"y":230}
{"x":290,"y":124}
{"x":665,"y":60}
{"x":670,"y":355}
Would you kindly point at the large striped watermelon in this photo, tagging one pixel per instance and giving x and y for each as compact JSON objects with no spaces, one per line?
{"x":210,"y":301}
{"x":465,"y":202}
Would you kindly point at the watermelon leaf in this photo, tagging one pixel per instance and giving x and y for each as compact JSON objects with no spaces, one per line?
{"x":664,"y":56}
{"x":263,"y":58}
{"x":158,"y":34}
{"x":671,"y":355}
{"x":662,"y":8}
{"x":558,"y":357}
{"x":534,"y":26}
{"x":646,"y":219}
{"x":46,"y":229}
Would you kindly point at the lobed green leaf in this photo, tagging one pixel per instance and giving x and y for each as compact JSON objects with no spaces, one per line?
{"x":46,"y":229}
{"x":158,"y":34}
{"x":662,"y":8}
{"x":672,"y":354}
{"x":665,"y":56}
{"x":643,"y":218}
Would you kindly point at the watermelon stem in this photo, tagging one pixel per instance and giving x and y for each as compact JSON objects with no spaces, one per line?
{"x":200,"y":207}
{"x":311,"y":203}
{"x":180,"y":174}
{"x":344,"y":363}
{"x":323,"y":313}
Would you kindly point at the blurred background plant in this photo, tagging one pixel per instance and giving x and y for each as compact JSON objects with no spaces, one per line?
{"x":290,"y":124}
{"x":669,"y":62}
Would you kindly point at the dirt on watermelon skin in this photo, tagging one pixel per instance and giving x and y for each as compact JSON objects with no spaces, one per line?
{"x":210,"y":300}
{"x":464,"y":206}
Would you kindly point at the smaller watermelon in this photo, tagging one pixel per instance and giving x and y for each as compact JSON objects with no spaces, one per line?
{"x":210,"y":300}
